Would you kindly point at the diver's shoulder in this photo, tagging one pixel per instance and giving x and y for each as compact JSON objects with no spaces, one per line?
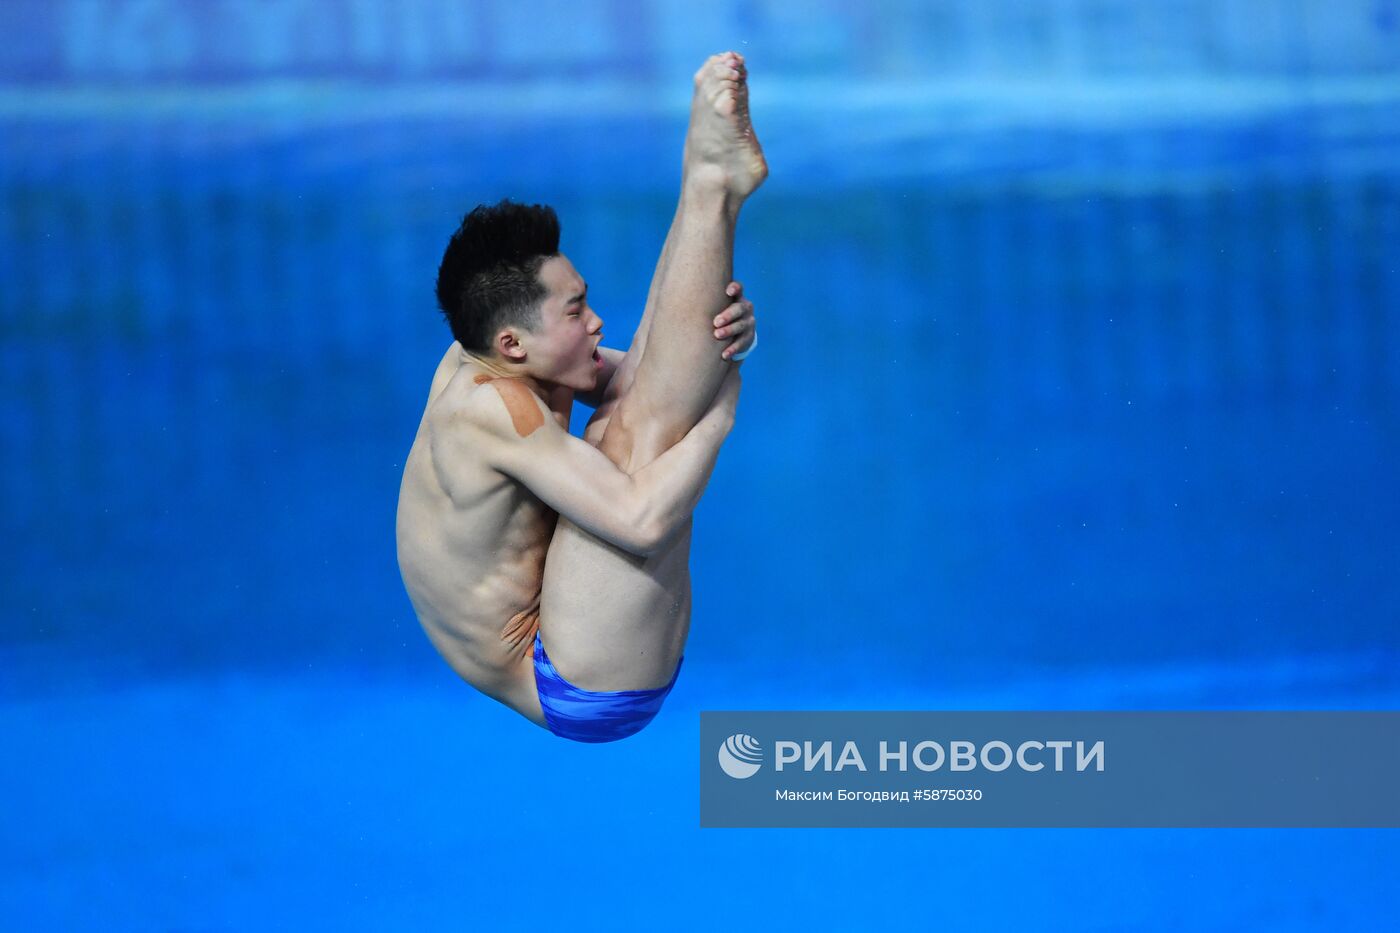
{"x":478,"y":400}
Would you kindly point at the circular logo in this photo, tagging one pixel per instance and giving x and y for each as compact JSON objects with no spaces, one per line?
{"x":740,"y":756}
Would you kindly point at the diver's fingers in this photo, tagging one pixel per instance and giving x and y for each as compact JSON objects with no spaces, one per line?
{"x":734,"y":328}
{"x":738,"y":311}
{"x":741,"y":343}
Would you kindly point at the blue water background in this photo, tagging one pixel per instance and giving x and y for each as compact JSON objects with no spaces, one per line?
{"x":1078,"y":389}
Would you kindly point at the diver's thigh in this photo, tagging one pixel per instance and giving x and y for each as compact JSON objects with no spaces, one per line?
{"x":613,"y":620}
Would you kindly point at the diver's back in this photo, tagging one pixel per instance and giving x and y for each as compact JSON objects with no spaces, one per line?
{"x":471,"y":557}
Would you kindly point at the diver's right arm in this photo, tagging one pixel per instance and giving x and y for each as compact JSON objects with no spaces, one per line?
{"x":637,"y":513}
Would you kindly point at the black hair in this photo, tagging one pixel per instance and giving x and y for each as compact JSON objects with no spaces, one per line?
{"x":489,"y":277}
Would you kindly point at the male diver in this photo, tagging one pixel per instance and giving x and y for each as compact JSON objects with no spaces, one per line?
{"x":513,"y":535}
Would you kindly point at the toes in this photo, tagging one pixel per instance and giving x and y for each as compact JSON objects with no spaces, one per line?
{"x":722,"y":80}
{"x":726,"y":66}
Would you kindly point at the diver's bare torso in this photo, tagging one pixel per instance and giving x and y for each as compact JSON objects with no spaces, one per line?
{"x":473,"y":560}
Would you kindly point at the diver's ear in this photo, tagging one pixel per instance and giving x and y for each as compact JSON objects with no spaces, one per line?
{"x":508,"y":345}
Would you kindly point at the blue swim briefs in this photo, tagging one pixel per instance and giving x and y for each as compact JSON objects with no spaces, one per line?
{"x":594,"y":716}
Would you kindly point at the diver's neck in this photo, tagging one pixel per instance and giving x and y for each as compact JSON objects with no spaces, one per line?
{"x":497,"y":368}
{"x":491,"y":366}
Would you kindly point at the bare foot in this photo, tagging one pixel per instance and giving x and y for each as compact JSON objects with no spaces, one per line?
{"x":721,"y":147}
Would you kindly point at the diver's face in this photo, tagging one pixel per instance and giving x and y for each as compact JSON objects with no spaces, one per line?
{"x":563,"y":349}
